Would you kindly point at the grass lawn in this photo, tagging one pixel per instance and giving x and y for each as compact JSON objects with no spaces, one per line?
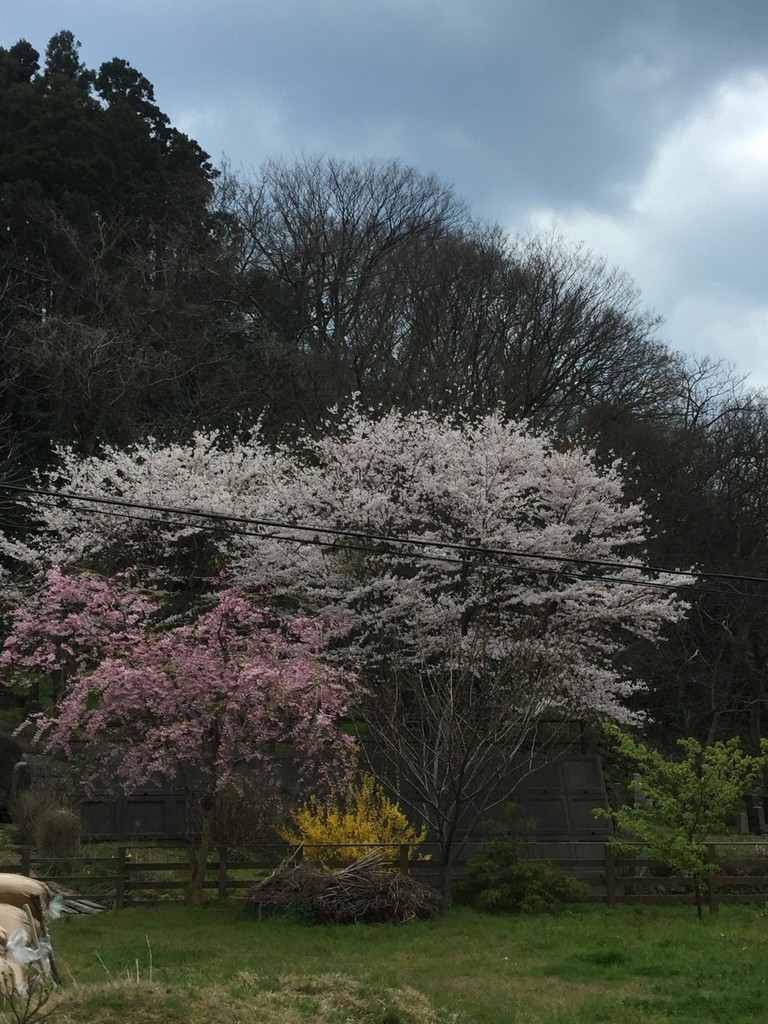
{"x":590,"y":965}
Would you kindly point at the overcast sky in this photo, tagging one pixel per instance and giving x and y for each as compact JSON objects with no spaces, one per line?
{"x":637,"y":126}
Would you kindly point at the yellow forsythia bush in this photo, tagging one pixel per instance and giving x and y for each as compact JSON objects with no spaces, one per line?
{"x":346,"y":831}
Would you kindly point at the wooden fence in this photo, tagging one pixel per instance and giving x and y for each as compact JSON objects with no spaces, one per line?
{"x":125,"y":878}
{"x":739,"y":876}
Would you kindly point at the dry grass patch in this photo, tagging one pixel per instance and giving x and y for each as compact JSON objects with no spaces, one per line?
{"x":248,"y":999}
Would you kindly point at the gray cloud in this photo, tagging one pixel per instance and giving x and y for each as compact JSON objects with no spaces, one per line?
{"x":612,"y":119}
{"x":692,"y":226}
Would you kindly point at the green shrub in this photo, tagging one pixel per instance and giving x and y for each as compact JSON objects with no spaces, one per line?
{"x":496,"y":881}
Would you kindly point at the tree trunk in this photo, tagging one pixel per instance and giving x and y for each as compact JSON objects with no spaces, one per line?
{"x":446,"y":874}
{"x":447,"y":857}
{"x":697,"y":890}
{"x":198,"y":857}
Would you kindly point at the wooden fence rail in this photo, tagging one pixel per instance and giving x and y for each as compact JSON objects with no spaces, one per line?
{"x":613,"y":879}
{"x":125,"y":878}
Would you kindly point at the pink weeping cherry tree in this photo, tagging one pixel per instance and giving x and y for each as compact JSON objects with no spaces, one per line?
{"x":205,"y":701}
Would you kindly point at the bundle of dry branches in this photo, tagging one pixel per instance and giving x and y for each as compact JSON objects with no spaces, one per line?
{"x":363,"y":892}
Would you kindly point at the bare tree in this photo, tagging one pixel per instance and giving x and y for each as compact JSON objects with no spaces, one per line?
{"x":701,"y":466}
{"x":457,"y":741}
{"x":382,"y":285}
{"x":537,"y":327}
{"x":327,"y":234}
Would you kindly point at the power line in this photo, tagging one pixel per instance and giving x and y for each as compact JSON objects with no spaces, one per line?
{"x":368,"y":536}
{"x":379,"y":552}
{"x":390,"y":539}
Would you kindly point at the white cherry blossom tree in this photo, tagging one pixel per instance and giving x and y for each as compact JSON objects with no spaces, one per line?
{"x":471,"y":564}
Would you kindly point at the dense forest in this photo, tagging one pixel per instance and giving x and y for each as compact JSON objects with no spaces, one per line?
{"x":144,"y":292}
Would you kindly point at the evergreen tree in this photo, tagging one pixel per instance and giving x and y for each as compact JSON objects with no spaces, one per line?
{"x":104,"y":226}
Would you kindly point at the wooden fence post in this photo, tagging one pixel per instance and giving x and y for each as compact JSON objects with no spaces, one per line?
{"x":404,"y":859}
{"x":712,"y":888}
{"x":120,"y":874}
{"x":222,"y":872}
{"x":610,"y":875}
{"x":26,"y":860}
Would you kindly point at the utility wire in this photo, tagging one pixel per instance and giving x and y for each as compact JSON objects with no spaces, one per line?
{"x":379,"y":552}
{"x":362,"y":535}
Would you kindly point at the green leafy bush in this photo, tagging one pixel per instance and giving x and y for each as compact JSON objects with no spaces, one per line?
{"x":688,"y":799}
{"x":496,"y":881}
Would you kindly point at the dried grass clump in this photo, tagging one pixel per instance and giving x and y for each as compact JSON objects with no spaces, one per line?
{"x":337,"y":997}
{"x":58,"y":833}
{"x":362,"y":893}
{"x":248,"y":999}
{"x":30,"y":806}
